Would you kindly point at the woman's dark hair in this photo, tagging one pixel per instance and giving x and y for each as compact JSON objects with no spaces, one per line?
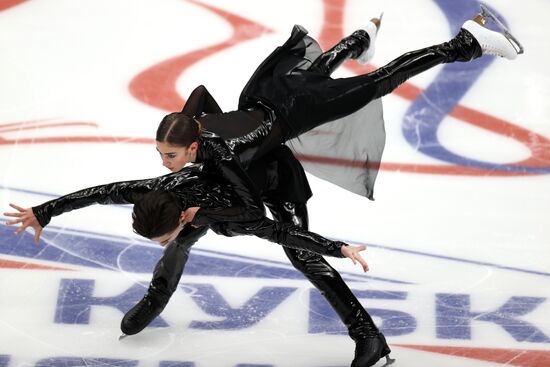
{"x":156,"y":214}
{"x":178,"y":129}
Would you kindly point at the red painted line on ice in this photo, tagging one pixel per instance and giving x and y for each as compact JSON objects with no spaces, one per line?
{"x":35,"y":127}
{"x":156,"y":86}
{"x":539,"y":145}
{"x":11,"y":264}
{"x":6,"y":4}
{"x":509,"y":357}
{"x":413,"y":168}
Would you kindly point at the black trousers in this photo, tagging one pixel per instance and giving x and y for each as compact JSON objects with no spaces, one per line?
{"x":345,"y":96}
{"x":314,"y":267}
{"x":307,"y":98}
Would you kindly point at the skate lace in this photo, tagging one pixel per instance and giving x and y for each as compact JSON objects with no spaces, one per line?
{"x":490,"y":50}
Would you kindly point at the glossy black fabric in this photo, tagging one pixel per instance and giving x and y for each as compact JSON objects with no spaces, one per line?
{"x":279,"y":176}
{"x":169,"y":268}
{"x":195,"y":188}
{"x":463,"y":47}
{"x":294,"y":89}
{"x":218,"y":199}
{"x":300,"y":96}
{"x":324,"y":277}
{"x":305,"y":98}
{"x":270,"y":175}
{"x":273,"y":168}
{"x":349,"y":47}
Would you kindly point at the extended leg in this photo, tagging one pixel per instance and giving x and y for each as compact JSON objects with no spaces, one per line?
{"x":335,"y":98}
{"x":359,"y":45}
{"x":370,"y":343}
{"x":166,"y":277}
{"x":463,"y":47}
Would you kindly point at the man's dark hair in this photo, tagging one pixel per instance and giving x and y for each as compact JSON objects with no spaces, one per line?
{"x":156,"y":214}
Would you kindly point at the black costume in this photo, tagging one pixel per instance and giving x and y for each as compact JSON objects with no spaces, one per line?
{"x":226,"y":209}
{"x":291,"y":93}
{"x":286,"y":96}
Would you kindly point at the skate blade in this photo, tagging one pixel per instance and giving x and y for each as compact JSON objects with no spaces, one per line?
{"x":486,"y":13}
{"x":388,"y":361}
{"x":122,"y":337}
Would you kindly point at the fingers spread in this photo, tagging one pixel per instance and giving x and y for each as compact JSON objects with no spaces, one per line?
{"x":12,"y":222}
{"x":17,"y":207}
{"x":37,"y":233}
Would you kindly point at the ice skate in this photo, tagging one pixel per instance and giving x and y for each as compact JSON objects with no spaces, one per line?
{"x":495,"y":43}
{"x":140,"y":316}
{"x":371,"y":28}
{"x":370,"y":350}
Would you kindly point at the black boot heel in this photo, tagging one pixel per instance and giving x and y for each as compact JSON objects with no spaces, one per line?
{"x":370,"y":350}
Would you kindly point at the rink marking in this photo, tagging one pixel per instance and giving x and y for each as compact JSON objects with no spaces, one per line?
{"x":384,"y":247}
{"x":510,"y":357}
{"x":449,"y":258}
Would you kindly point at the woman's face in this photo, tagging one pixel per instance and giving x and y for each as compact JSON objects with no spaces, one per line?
{"x":175,"y":157}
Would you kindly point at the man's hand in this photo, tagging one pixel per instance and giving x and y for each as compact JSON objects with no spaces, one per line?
{"x":27,"y":219}
{"x":189,"y":214}
{"x":353,"y":253}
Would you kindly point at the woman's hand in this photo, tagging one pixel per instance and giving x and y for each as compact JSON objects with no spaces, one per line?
{"x":189,"y":214}
{"x":27,"y":219}
{"x":353,"y":253}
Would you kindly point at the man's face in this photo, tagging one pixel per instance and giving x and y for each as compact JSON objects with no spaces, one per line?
{"x":165,"y":239}
{"x":176,"y":157}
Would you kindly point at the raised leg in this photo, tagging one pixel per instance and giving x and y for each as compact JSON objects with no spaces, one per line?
{"x":359,"y":45}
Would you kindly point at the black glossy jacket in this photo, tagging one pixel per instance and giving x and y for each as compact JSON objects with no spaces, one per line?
{"x":230,"y":206}
{"x":277,"y":174}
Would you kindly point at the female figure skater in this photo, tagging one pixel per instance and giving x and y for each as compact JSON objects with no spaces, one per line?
{"x":290,"y":93}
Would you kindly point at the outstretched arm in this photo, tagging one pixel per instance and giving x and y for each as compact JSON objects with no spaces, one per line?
{"x":26,"y":217}
{"x":292,"y":236}
{"x":200,"y":101}
{"x":114,"y":193}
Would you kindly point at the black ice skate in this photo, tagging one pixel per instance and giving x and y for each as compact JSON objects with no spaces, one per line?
{"x":140,"y":316}
{"x":502,"y":43}
{"x":370,"y":350}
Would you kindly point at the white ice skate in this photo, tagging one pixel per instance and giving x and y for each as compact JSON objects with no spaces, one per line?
{"x":501,"y":44}
{"x":372,"y":31}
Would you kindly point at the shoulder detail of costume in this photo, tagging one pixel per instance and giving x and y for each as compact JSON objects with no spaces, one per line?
{"x":213,"y":147}
{"x":208,"y":134}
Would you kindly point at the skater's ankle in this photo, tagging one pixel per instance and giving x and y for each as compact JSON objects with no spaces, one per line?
{"x":479,"y":19}
{"x":376,"y":22}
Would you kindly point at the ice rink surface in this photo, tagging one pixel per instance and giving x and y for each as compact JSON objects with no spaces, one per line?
{"x":458,"y":237}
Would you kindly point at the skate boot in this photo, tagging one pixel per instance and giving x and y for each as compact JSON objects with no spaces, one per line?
{"x":371,"y":29}
{"x":370,"y":350}
{"x":141,"y":315}
{"x":502,"y":43}
{"x":358,"y":46}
